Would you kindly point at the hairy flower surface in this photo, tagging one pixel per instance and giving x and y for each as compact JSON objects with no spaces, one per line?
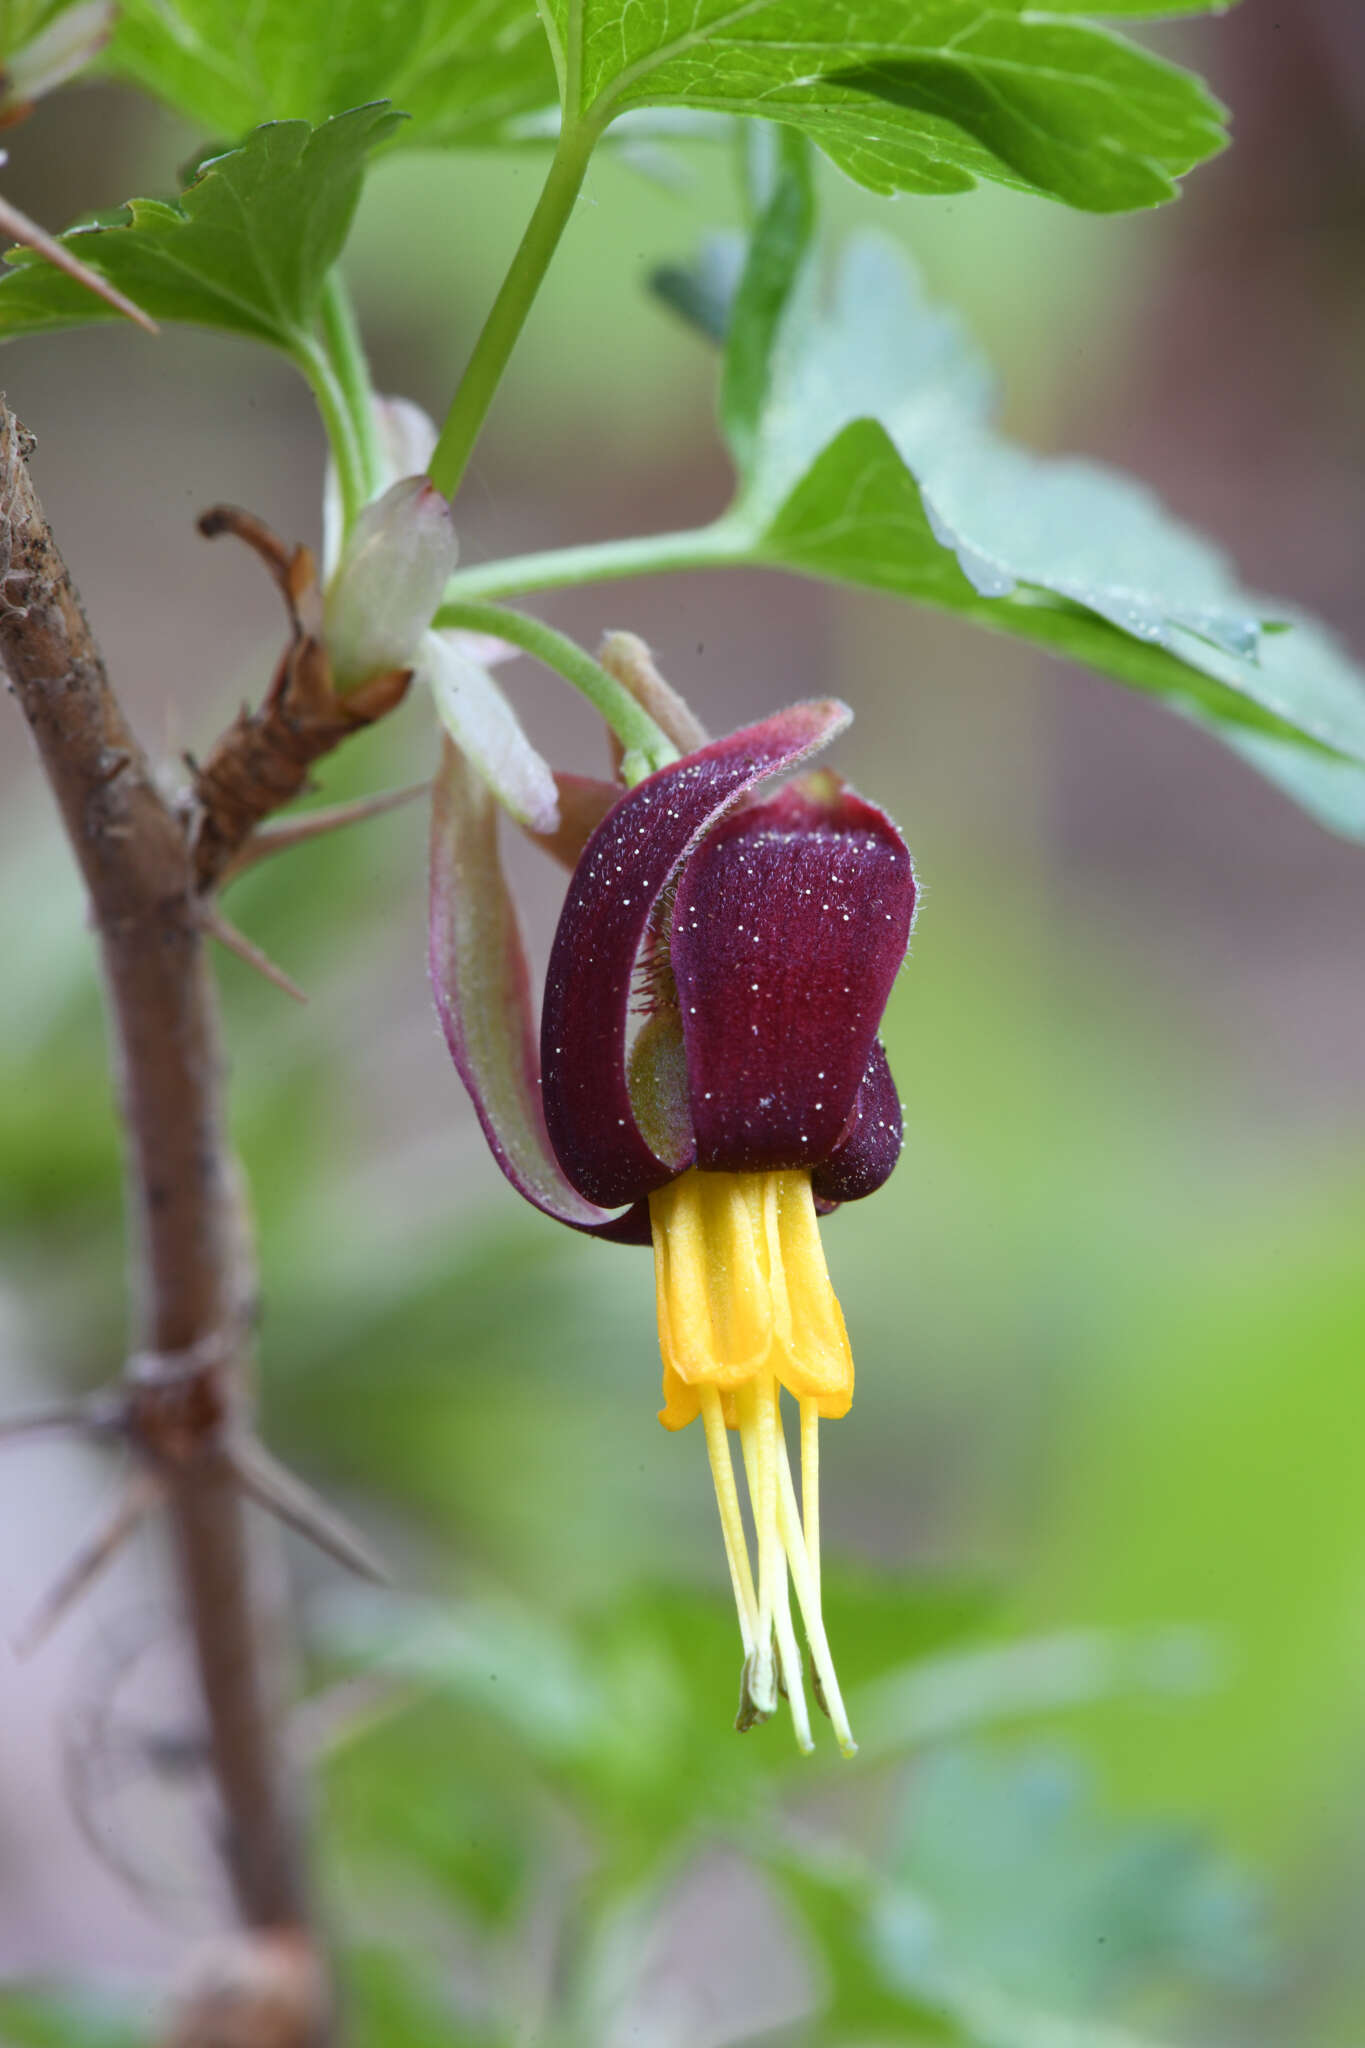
{"x":709,"y":1068}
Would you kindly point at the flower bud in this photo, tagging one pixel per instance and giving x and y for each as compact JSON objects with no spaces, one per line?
{"x":389,"y":581}
{"x":404,"y":440}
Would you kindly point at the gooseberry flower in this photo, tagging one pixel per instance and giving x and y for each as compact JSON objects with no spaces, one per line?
{"x":708,"y":1077}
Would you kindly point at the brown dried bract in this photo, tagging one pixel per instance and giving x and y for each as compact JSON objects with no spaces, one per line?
{"x":263,"y":759}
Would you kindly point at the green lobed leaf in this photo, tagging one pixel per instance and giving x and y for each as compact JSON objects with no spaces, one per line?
{"x":397,"y":2000}
{"x":1133,"y":9}
{"x":1332,"y":789}
{"x":246,"y":247}
{"x":1008,"y":1880}
{"x":463,"y":69}
{"x":861,"y":2001}
{"x":908,"y":95}
{"x":860,"y":423}
{"x":57,"y":2018}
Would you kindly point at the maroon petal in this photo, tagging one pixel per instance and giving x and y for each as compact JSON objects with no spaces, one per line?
{"x":626,"y":865}
{"x":478,"y":975}
{"x":789,"y":924}
{"x":864,"y":1157}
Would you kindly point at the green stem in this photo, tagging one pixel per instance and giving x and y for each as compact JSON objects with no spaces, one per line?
{"x":336,"y":418}
{"x":646,"y":746}
{"x":723,"y":545}
{"x":346,"y":354}
{"x":508,"y":315}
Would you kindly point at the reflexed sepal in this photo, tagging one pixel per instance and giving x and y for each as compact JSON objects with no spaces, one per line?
{"x":789,"y":925}
{"x":627,"y":864}
{"x":479,"y":978}
{"x":487,"y":731}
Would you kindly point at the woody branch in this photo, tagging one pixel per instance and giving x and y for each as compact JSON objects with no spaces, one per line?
{"x":185,"y":1399}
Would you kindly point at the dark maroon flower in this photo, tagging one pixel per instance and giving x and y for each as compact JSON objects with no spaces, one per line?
{"x":709,"y":1068}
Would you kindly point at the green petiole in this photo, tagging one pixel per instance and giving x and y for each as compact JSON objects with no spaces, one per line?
{"x":492,"y":350}
{"x":346,"y":355}
{"x":646,"y":746}
{"x":722,"y":545}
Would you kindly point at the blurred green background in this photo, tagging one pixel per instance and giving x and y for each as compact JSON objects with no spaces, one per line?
{"x":1096,"y":1522}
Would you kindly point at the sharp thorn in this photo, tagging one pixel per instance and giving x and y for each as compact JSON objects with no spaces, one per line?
{"x":141,"y":1493}
{"x":289,"y":832}
{"x":238,"y":943}
{"x":98,"y":1415}
{"x":281,"y":1493}
{"x":18,"y":224}
{"x":67,"y":1415}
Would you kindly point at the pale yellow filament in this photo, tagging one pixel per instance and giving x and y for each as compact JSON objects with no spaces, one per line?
{"x":810,"y":1486}
{"x":808,"y":1599}
{"x":731,"y":1521}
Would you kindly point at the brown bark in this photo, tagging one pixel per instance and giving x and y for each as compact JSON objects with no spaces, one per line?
{"x":187,"y":1384}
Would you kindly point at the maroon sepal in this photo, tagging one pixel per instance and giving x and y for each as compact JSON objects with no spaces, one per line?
{"x":478,"y":975}
{"x":626,"y":866}
{"x":790,"y":922}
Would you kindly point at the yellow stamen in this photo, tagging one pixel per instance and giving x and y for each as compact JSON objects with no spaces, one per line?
{"x":745,"y":1309}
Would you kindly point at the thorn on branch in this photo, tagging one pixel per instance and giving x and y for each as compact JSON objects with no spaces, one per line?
{"x":174,"y":1410}
{"x":141,"y":1492}
{"x":292,"y":1501}
{"x":103,"y":1414}
{"x":238,"y":943}
{"x":291,"y":832}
